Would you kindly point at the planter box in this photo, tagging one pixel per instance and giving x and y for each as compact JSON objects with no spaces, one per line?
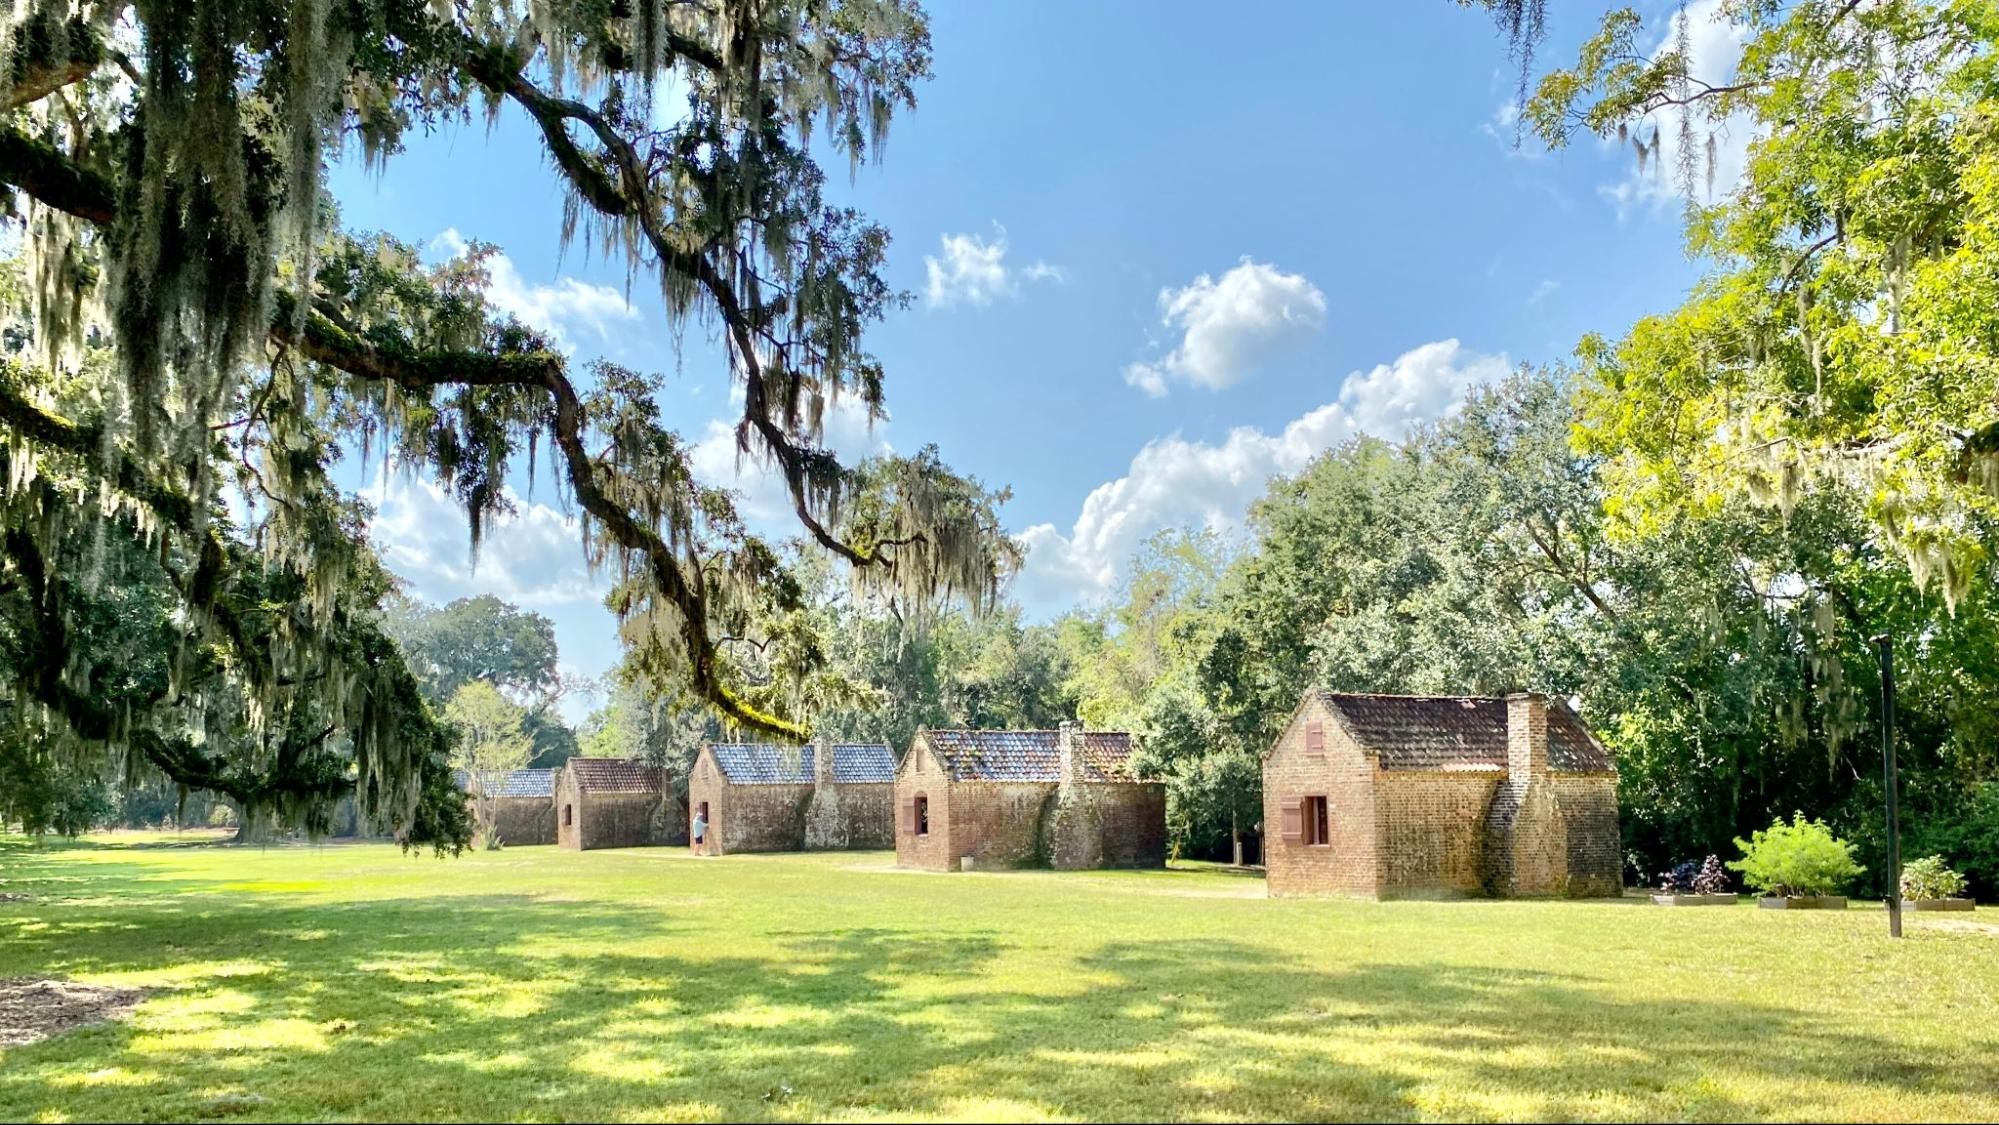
{"x":1939,"y":904}
{"x":1695,"y":900}
{"x":1804,"y":902}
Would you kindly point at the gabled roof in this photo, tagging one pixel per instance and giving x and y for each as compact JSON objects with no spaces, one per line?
{"x":1441,"y":732}
{"x":508,"y":783}
{"x":614,"y":775}
{"x":756,"y":763}
{"x":1027,"y":755}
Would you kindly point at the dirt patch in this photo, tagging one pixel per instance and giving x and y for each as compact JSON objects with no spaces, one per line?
{"x":33,"y":1008}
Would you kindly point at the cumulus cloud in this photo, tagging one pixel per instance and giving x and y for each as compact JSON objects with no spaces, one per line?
{"x":1173,"y":482}
{"x":567,"y":308}
{"x":1230,"y":327}
{"x":1720,"y":152}
{"x":973,"y":271}
{"x":532,"y":558}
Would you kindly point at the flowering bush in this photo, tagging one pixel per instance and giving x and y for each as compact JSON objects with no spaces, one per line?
{"x":1929,"y":878}
{"x":1711,"y":880}
{"x":1690,"y":878}
{"x":1679,"y":880}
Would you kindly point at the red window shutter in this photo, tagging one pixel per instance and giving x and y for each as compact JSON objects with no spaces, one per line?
{"x":1294,"y":822}
{"x":1315,"y":738}
{"x":907,"y":822}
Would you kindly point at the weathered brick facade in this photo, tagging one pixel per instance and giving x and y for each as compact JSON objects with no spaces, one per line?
{"x":615,"y":803}
{"x":520,"y":805}
{"x":1061,"y":799}
{"x":760,"y":798}
{"x":1430,"y":797}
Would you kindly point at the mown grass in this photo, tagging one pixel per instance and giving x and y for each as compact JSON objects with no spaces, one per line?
{"x":351,"y":982}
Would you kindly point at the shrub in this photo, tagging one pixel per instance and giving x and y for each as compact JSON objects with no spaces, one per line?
{"x":221,"y":816}
{"x":1690,"y":878}
{"x":1679,"y":880}
{"x":1930,"y":878}
{"x":1799,"y":858}
{"x":1711,"y":880}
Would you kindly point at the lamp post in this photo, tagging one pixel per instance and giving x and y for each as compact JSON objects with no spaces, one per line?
{"x":1889,"y":783}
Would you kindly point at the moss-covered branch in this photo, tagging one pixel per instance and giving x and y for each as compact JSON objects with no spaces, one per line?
{"x":50,"y":178}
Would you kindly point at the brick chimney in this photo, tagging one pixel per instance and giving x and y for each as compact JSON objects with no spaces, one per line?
{"x":1526,"y":736}
{"x":1069,"y":749}
{"x":822,"y":762}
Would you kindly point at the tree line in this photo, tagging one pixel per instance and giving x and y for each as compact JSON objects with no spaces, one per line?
{"x":1691,"y":528}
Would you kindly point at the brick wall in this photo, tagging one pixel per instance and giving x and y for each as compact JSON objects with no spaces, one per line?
{"x":1349,"y":863}
{"x":522,"y":821}
{"x":1133,"y":824}
{"x":758,"y":818}
{"x":1432,"y":832}
{"x":584,"y":821}
{"x":998,"y":824}
{"x":850,"y":817}
{"x":1595,"y":848}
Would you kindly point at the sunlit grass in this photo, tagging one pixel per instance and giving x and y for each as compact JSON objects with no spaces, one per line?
{"x":352,"y":982}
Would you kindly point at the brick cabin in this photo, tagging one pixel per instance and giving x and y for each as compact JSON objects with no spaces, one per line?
{"x":523,"y":803}
{"x":615,"y":803}
{"x":1065,"y":799}
{"x":764,"y":798}
{"x":1390,"y":796}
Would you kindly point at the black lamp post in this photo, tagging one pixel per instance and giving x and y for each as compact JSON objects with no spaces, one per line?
{"x":1889,"y":782}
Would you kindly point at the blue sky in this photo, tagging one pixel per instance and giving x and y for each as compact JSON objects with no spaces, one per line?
{"x":1156,"y":255}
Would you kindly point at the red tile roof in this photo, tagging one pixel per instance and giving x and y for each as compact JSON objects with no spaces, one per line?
{"x":1426,"y":732}
{"x":614,"y":775}
{"x":1028,"y":755}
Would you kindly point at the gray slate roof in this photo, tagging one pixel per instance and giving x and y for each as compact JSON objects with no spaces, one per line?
{"x":614,"y":775}
{"x":1028,"y":755}
{"x":1425,"y":732}
{"x":756,"y":763}
{"x":508,"y":783}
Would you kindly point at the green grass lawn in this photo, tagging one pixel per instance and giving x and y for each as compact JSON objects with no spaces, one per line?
{"x":352,"y":982}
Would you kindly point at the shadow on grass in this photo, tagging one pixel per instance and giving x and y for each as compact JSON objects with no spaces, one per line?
{"x":508,"y":1006}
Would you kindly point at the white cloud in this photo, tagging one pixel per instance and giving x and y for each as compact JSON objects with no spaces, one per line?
{"x":1720,"y":152}
{"x":1173,"y":482}
{"x":566,"y":307}
{"x":1543,"y":291}
{"x":532,"y":558}
{"x":974,"y":271}
{"x":1230,"y":327}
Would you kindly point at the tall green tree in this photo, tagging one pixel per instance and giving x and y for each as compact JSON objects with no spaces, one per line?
{"x":1844,"y":334}
{"x":492,"y":740}
{"x":484,"y":639}
{"x":200,"y":324}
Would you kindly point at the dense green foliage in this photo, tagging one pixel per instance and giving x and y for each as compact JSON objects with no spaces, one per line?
{"x":484,"y":639}
{"x":195,"y":341}
{"x":1931,"y":878}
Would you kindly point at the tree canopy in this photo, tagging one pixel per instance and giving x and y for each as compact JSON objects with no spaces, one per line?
{"x":202,"y":341}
